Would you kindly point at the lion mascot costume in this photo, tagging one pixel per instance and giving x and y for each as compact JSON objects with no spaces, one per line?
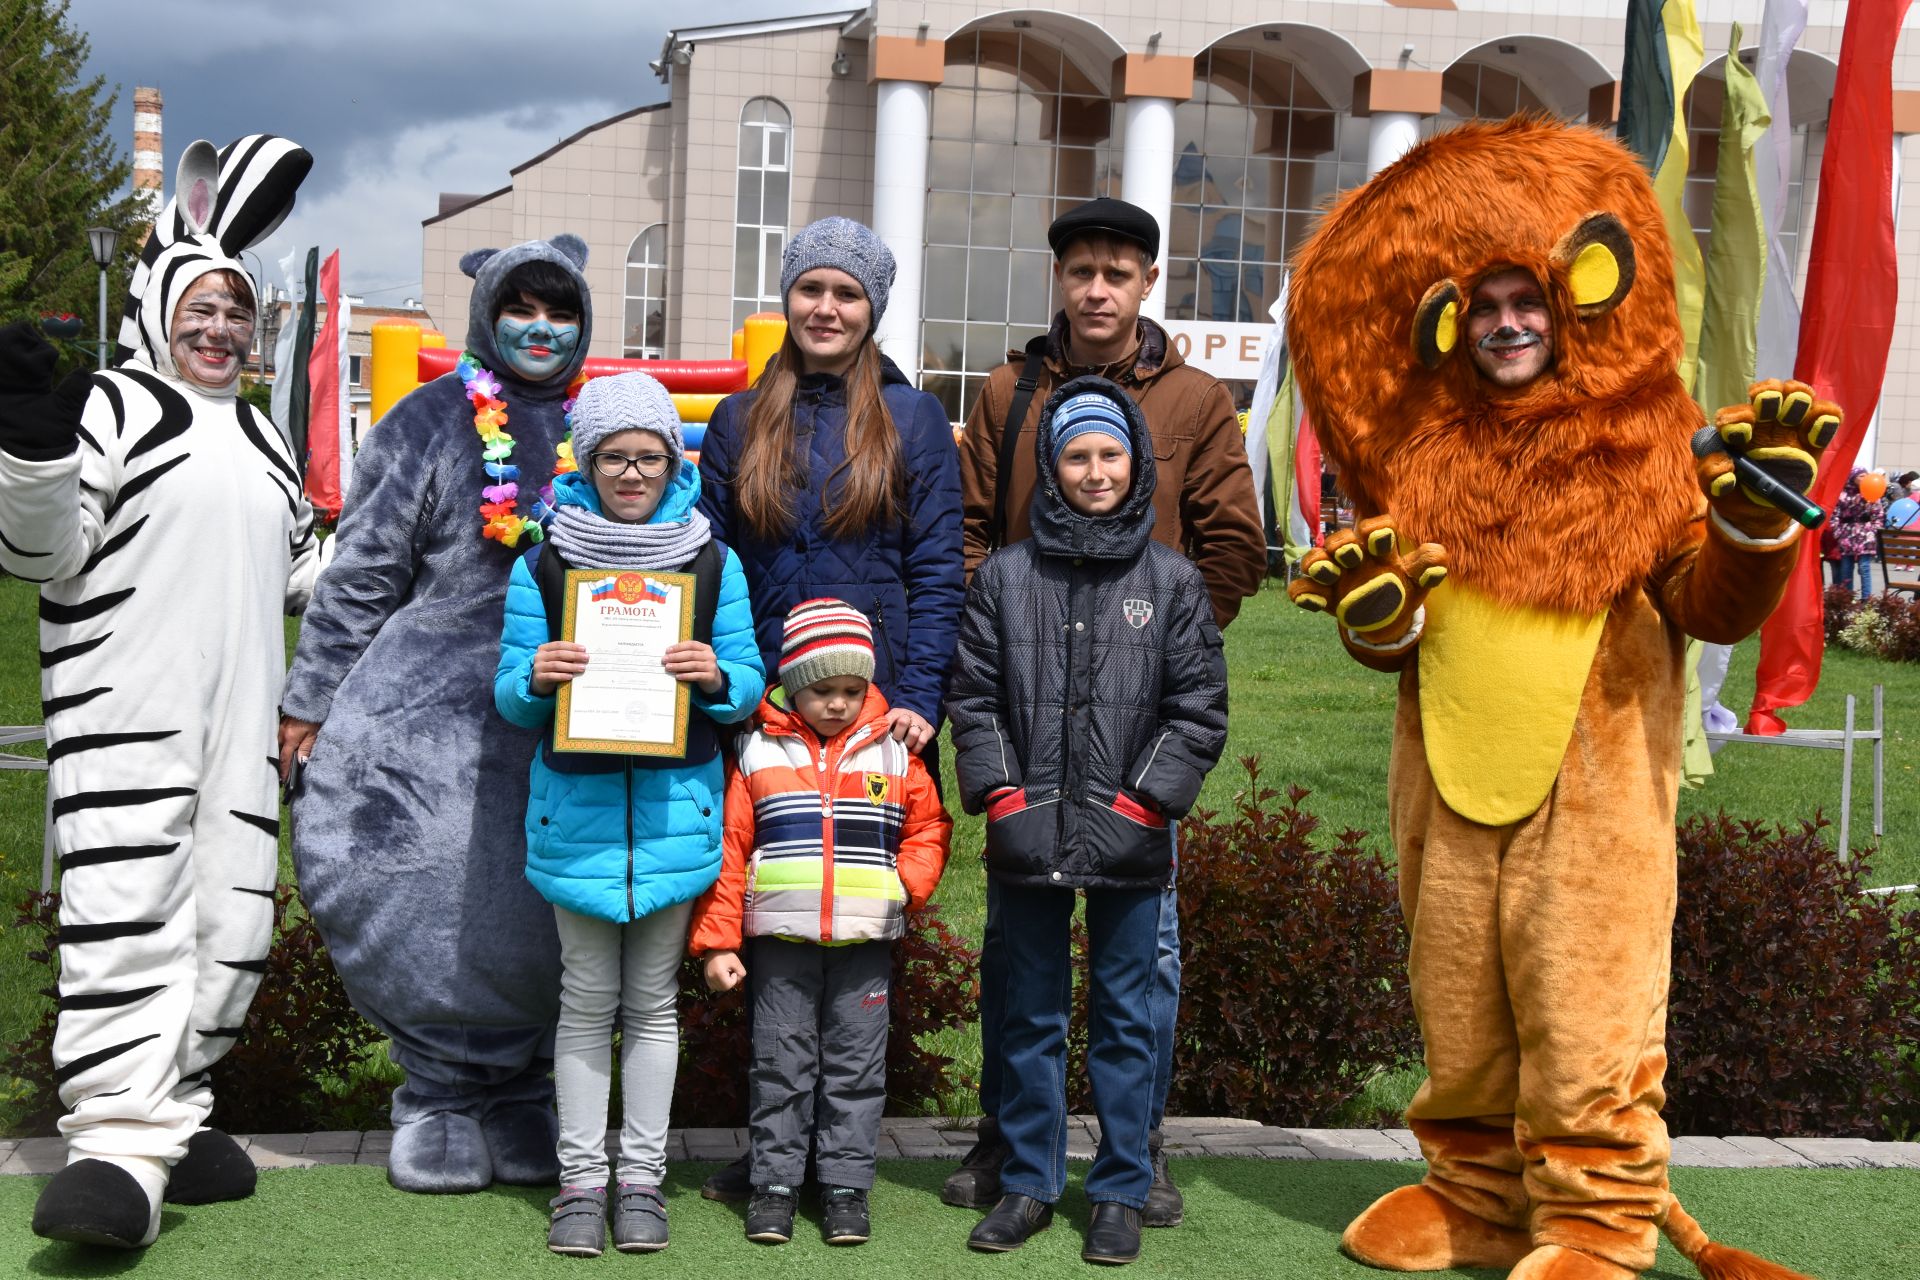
{"x":1536,"y":744}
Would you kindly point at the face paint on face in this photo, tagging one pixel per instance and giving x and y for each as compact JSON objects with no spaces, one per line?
{"x":536,"y":340}
{"x":211,"y":332}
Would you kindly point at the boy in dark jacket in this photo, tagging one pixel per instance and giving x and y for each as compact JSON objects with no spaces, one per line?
{"x":1089,"y":702}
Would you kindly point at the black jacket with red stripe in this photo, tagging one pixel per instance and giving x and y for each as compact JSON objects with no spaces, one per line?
{"x":1089,"y":692}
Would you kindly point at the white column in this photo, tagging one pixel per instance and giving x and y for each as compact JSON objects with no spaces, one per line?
{"x":902,"y":123}
{"x":1390,"y":135}
{"x":1146,"y":177}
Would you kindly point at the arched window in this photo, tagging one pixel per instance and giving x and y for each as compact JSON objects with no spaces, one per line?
{"x":646,"y":317}
{"x":1705,"y":104}
{"x":1020,"y":134}
{"x":763,"y":178}
{"x":1257,"y":152}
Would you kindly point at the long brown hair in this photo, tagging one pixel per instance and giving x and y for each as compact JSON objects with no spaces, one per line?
{"x":770,"y":471}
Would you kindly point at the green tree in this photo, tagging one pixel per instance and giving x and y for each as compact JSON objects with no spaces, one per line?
{"x":60,"y":173}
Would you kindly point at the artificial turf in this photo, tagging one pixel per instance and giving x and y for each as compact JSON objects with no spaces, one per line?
{"x":1274,"y":1219}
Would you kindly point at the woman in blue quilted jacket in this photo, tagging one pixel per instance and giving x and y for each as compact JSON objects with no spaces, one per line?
{"x":622,"y":845}
{"x":835,"y":477}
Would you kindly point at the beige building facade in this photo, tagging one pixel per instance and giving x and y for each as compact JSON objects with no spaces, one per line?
{"x":959,"y":129}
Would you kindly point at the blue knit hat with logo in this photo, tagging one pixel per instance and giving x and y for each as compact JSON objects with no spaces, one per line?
{"x":848,"y":245}
{"x":1089,"y":411}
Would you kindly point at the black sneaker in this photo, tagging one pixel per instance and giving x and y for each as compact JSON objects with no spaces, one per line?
{"x":770,"y":1214}
{"x":976,"y":1183}
{"x":1166,"y":1207}
{"x":843,"y":1216}
{"x":730,"y":1185}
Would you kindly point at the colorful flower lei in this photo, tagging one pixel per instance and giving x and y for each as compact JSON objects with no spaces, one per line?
{"x":502,"y":522}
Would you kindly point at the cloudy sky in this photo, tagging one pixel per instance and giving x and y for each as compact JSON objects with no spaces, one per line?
{"x":397,"y":100}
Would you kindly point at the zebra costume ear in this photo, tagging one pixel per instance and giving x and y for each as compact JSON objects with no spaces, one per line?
{"x":196,"y":185}
{"x":223,"y":202}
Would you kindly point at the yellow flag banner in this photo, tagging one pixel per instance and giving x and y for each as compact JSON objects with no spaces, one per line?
{"x":1685,"y":52}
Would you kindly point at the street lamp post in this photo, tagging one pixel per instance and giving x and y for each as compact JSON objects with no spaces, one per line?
{"x":102,"y":241}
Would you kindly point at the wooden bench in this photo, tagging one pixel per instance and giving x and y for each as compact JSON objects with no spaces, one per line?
{"x":1900,"y":560}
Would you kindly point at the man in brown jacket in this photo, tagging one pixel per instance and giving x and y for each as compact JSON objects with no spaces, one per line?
{"x":1104,"y":264}
{"x":1204,"y":506}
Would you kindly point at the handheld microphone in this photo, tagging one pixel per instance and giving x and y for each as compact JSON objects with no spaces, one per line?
{"x":1707,"y":441}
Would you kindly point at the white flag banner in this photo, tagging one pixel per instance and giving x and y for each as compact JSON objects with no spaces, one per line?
{"x":283,"y":380}
{"x":1273,"y":366}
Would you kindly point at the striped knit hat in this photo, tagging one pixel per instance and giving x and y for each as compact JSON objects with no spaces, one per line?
{"x":824,"y":638}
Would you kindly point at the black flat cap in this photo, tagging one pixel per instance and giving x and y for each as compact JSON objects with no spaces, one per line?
{"x":1115,"y":217}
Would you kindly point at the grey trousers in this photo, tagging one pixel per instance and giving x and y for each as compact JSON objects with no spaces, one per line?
{"x":633,"y":970}
{"x":819,"y":1074}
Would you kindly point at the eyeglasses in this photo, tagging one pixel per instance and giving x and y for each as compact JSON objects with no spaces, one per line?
{"x":650,"y":465}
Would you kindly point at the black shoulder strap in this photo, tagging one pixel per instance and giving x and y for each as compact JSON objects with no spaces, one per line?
{"x":1010,"y":437}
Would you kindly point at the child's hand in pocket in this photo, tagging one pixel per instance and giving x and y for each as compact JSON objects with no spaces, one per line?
{"x":724,"y":971}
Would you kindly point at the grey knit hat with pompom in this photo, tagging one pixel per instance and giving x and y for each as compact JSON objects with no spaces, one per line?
{"x":852,"y":247}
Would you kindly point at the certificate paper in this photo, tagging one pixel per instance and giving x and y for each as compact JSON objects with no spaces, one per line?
{"x":625,"y":702}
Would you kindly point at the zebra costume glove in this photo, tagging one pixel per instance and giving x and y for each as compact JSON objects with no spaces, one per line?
{"x":38,"y":421}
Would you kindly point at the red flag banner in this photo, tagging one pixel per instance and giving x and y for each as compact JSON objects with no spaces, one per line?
{"x":1846,"y":326}
{"x":323,"y":375}
{"x":1306,"y":479}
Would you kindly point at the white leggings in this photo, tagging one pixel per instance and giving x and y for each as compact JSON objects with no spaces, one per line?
{"x":634,"y":970}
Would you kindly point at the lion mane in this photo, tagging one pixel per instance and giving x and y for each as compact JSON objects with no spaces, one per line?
{"x":1563,"y":493}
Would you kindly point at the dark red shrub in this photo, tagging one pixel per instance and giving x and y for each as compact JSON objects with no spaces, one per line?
{"x":936,"y":987}
{"x":1293,"y":966}
{"x":1838,"y":607}
{"x":1796,"y":997}
{"x":296,"y":1068}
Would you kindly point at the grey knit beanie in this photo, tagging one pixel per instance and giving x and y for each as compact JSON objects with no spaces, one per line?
{"x":848,"y":245}
{"x":624,"y":402}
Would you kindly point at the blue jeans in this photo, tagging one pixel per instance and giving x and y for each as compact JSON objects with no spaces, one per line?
{"x":1163,"y":1001}
{"x":1122,"y":933}
{"x":1844,"y":570}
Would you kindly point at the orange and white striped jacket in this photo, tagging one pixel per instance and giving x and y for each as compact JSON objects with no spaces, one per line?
{"x":824,"y":842}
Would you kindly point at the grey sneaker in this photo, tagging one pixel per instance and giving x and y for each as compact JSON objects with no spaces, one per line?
{"x":639,"y":1219}
{"x":1166,"y":1207}
{"x":579,"y":1227}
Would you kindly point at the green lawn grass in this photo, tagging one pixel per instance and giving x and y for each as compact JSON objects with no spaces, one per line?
{"x":1275,"y":1219}
{"x":1313,"y":716}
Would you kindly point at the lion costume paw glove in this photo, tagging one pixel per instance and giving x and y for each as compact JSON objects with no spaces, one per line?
{"x":1537,"y":543}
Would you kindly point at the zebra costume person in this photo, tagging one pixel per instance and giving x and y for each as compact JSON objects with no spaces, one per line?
{"x":164,"y":521}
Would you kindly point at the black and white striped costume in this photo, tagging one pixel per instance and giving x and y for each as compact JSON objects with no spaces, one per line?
{"x":168,"y":545}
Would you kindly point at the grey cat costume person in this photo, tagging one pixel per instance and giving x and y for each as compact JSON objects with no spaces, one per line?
{"x":407,"y":824}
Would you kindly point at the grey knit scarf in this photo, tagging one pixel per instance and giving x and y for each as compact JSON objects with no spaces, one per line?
{"x":588,"y":540}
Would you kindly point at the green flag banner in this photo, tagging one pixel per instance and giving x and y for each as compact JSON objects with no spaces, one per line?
{"x":1737,"y":250}
{"x":1646,"y":86}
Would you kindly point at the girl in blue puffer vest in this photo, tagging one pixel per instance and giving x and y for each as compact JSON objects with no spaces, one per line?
{"x":622,"y":845}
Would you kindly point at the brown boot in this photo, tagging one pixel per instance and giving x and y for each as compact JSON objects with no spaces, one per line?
{"x":1415,"y":1229}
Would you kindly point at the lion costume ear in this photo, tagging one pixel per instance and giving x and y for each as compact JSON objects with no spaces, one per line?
{"x":1436,"y":324}
{"x":1596,"y":260}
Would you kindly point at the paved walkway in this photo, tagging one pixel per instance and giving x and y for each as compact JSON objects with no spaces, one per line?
{"x":938,"y":1138}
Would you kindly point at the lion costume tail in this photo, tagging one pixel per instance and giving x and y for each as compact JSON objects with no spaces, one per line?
{"x":1717,"y":1261}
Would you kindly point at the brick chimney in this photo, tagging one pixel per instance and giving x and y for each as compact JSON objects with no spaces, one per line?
{"x":149,"y":154}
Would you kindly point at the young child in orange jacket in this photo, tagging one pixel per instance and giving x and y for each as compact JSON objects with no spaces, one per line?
{"x":833,"y":829}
